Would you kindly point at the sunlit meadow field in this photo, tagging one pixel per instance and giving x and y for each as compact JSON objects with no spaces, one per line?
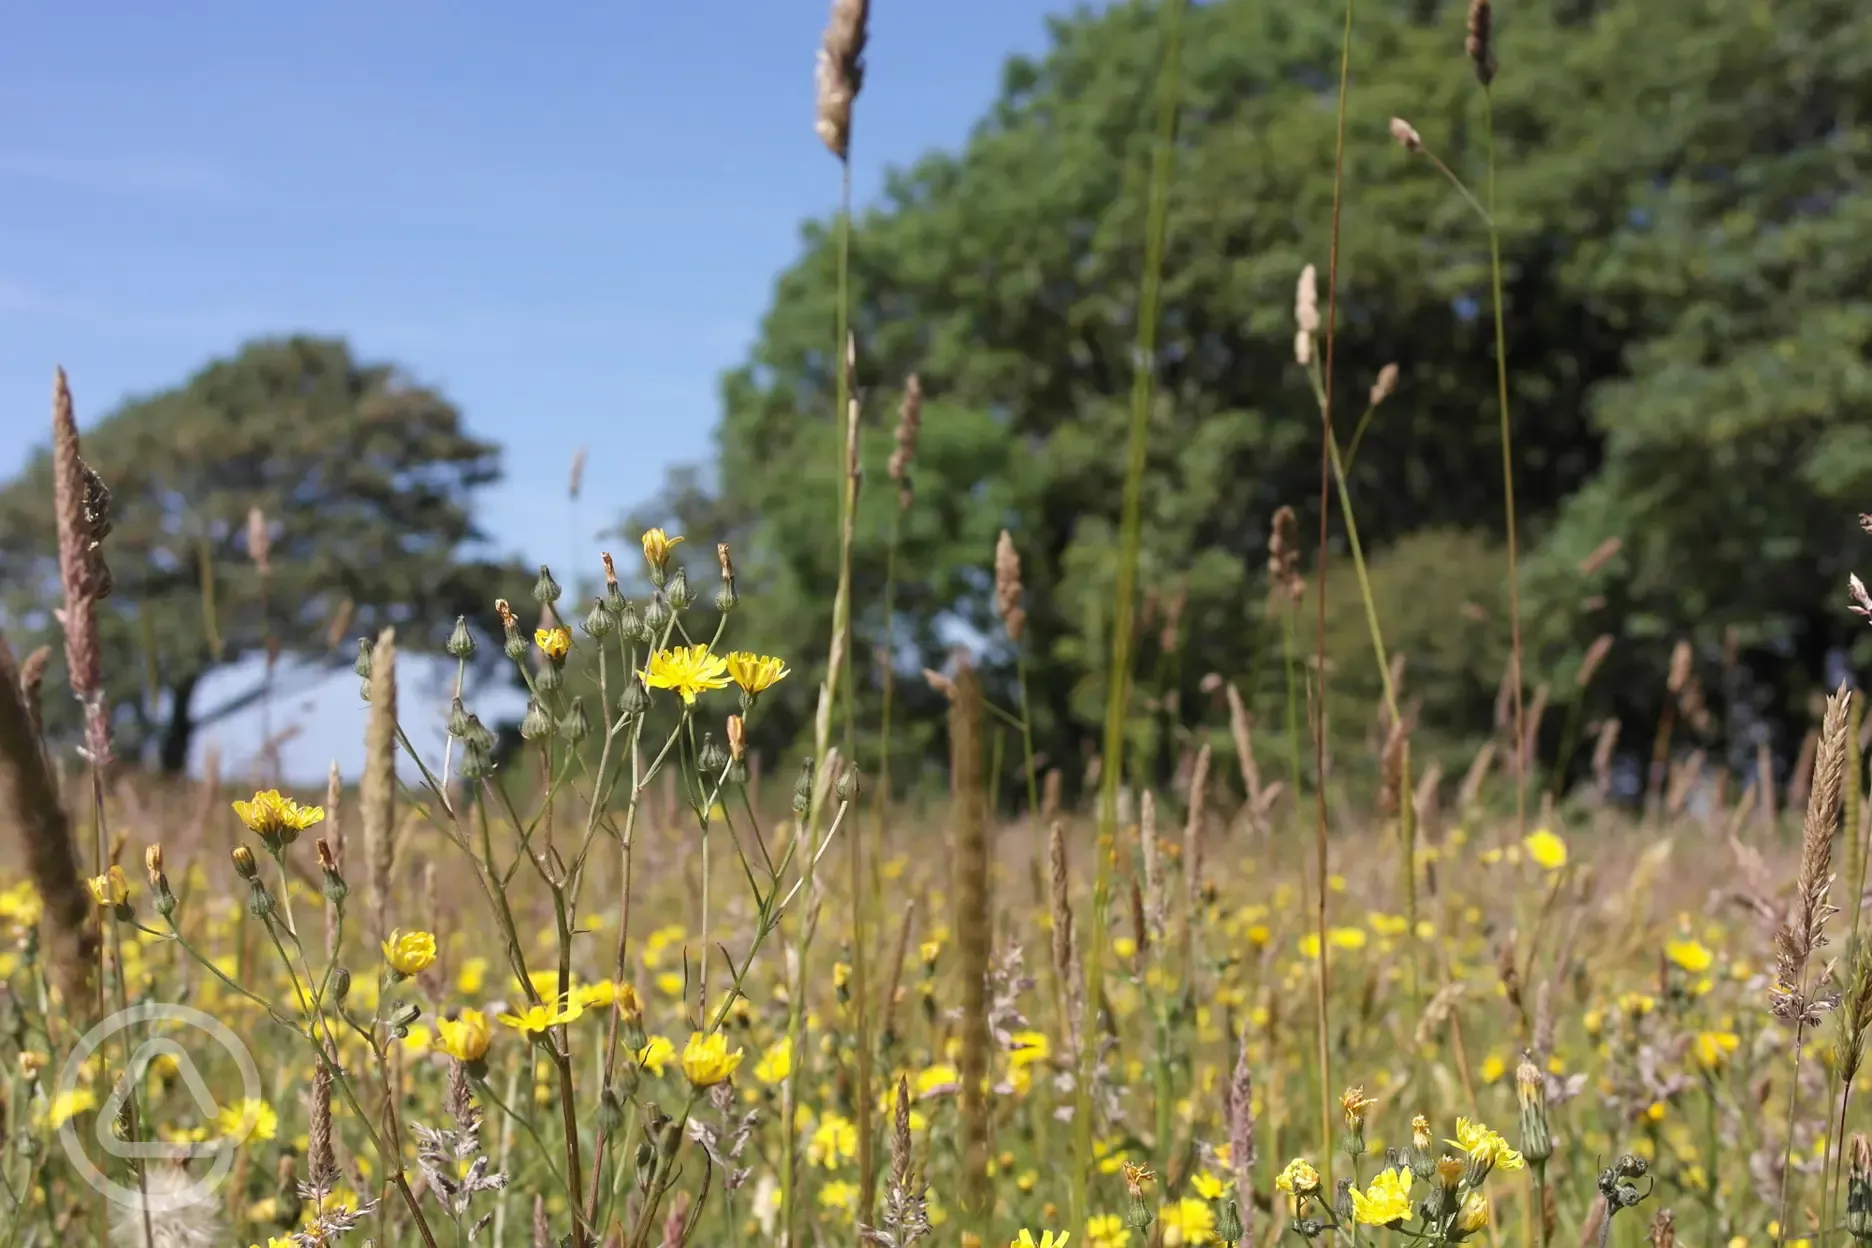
{"x":615,"y":986}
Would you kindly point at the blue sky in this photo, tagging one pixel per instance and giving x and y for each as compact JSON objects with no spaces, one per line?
{"x":570,"y":223}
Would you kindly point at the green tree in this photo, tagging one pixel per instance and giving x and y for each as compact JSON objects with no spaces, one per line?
{"x":1685,"y":259}
{"x":365,"y":482}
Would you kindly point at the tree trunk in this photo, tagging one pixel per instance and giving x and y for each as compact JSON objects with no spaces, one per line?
{"x":179,"y":733}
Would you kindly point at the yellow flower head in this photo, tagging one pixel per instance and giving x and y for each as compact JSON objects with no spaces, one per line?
{"x":1484,"y":1145}
{"x":1047,"y":1239}
{"x":756,"y":673}
{"x":1299,"y":1178}
{"x":1690,"y":955}
{"x":706,"y":1060}
{"x":538,"y":1018}
{"x":1546,"y":849}
{"x":110,"y":889}
{"x":277,"y":820}
{"x":553,"y":642}
{"x":1420,"y":1136}
{"x":656,"y":544}
{"x":465,"y":1037}
{"x":688,"y":670}
{"x":1474,"y":1215}
{"x":409,"y":953}
{"x":1713,"y":1048}
{"x":1387,"y":1200}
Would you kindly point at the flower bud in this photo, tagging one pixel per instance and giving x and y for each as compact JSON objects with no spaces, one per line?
{"x":461,"y":642}
{"x":1859,"y":1188}
{"x":536,"y":724}
{"x":610,"y":1110}
{"x":513,"y":645}
{"x":657,"y":615}
{"x":1536,"y":1136}
{"x":340,"y":984}
{"x":635,"y":699}
{"x":476,"y":763}
{"x":260,"y":901}
{"x":630,"y":624}
{"x":550,"y":678}
{"x":598,"y":621}
{"x":802,"y":787}
{"x":573,"y":725}
{"x":711,"y":758}
{"x":244,"y":864}
{"x":363,"y":665}
{"x":677,"y":591}
{"x":457,"y":719}
{"x":336,"y":890}
{"x":1228,"y":1227}
{"x":849,"y":785}
{"x":545,"y":589}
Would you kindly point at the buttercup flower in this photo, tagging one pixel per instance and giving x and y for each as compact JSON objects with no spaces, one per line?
{"x":756,"y":673}
{"x":553,"y":642}
{"x":465,"y":1037}
{"x":706,"y":1060}
{"x":688,"y":670}
{"x":409,"y":953}
{"x":1387,"y":1200}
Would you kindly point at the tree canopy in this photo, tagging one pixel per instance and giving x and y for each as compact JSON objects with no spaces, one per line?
{"x":357,"y":482}
{"x":1686,"y":257}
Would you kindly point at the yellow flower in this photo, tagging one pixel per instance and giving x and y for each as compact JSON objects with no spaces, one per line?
{"x":271,"y":816}
{"x":1188,"y":1221}
{"x":250,"y":1118}
{"x":471,"y":977}
{"x":1484,"y":1145}
{"x":756,"y":673}
{"x":537,"y":1018}
{"x":109,"y":889}
{"x":409,"y":953}
{"x":706,"y":1060}
{"x":1387,"y":1200}
{"x":1028,"y":1047}
{"x":1546,"y":849}
{"x":1047,"y":1239}
{"x":833,"y":1140}
{"x":688,"y":670}
{"x":656,"y":1052}
{"x":1690,"y":955}
{"x":465,"y":1037}
{"x":1299,"y":1178}
{"x":656,"y":544}
{"x":1207,"y":1185}
{"x":553,"y":642}
{"x":1713,"y":1048}
{"x":1107,"y":1230}
{"x":776,"y":1063}
{"x":1474,"y":1215}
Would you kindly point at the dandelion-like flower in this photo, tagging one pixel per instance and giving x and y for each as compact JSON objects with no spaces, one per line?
{"x":110,"y":890}
{"x":1298,"y":1179}
{"x":706,"y":1060}
{"x":277,"y":820}
{"x":536,"y":1020}
{"x":756,"y":673}
{"x":687,"y":670}
{"x":1546,"y":848}
{"x":1387,"y":1200}
{"x":554,"y":643}
{"x":1474,"y":1214}
{"x":1047,"y":1239}
{"x":409,"y":953}
{"x":466,"y":1036}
